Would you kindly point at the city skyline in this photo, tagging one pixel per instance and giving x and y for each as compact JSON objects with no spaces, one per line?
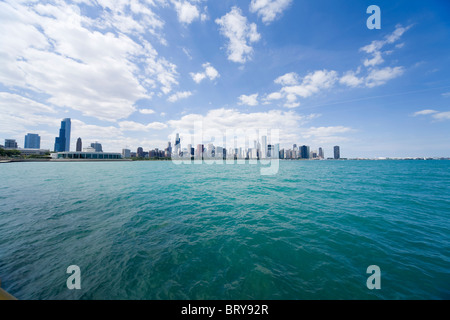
{"x":313,"y":71}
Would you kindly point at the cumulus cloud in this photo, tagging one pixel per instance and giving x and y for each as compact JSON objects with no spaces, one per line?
{"x":269,"y":10}
{"x":186,"y":11}
{"x":294,"y":88}
{"x":312,"y":83}
{"x":179,"y":95}
{"x":377,"y":77}
{"x":274,"y":96}
{"x":235,"y":124}
{"x":288,"y":79}
{"x":209,"y":72}
{"x":54,"y":50}
{"x":146,"y":111}
{"x":351,"y":79}
{"x":250,"y":100}
{"x":135,"y":126}
{"x":240,"y":34}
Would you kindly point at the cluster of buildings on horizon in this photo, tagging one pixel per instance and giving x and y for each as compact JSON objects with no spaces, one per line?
{"x":260,"y":149}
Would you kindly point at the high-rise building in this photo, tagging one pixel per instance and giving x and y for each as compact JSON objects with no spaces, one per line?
{"x":97,"y":146}
{"x":199,"y":151}
{"x":304,"y":152}
{"x":62,"y":143}
{"x":177,"y":147}
{"x":264,"y":150}
{"x":321,"y":155}
{"x":140,"y":152}
{"x":337,"y":152}
{"x":79,"y":145}
{"x":32,"y":141}
{"x":126,"y":153}
{"x":276,"y":151}
{"x":10,"y":144}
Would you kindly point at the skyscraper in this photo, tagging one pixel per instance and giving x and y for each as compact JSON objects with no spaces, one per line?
{"x":321,"y":156}
{"x":79,"y":145}
{"x":337,"y":152}
{"x":264,"y":150}
{"x":304,"y":152}
{"x":199,"y":151}
{"x":62,"y":143}
{"x":177,"y":144}
{"x":140,"y":152}
{"x":97,"y":146}
{"x":126,"y":153}
{"x":32,"y":141}
{"x":10,"y":144}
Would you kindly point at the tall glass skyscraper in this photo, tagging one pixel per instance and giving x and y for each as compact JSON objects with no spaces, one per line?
{"x":304,"y":152}
{"x":79,"y":145}
{"x":32,"y":141}
{"x":62,"y":143}
{"x":337,"y":152}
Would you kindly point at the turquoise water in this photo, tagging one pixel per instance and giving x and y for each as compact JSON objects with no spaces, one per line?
{"x":155,"y":230}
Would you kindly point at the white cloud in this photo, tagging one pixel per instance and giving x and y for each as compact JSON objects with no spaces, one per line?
{"x":135,"y":126}
{"x":312,"y":83}
{"x":240,"y":35}
{"x":424,"y":112}
{"x":377,"y":45}
{"x":289,"y":79}
{"x":16,"y":104}
{"x":186,"y":11}
{"x":350,"y":79}
{"x":146,"y":111}
{"x":434,"y":114}
{"x":209,"y":72}
{"x":378,"y":77}
{"x":268,"y":10}
{"x":442,"y":115}
{"x":49,"y":49}
{"x":374,"y":48}
{"x":251,"y":100}
{"x":326,"y":131}
{"x":293,"y":87}
{"x":376,"y":59}
{"x":20,"y":114}
{"x":219,"y":122}
{"x":179,"y":95}
{"x":274,"y":96}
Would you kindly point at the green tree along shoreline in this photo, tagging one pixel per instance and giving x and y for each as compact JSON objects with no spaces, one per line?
{"x":13,"y":153}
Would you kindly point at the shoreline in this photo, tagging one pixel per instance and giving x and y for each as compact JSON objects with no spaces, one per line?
{"x":215,"y":160}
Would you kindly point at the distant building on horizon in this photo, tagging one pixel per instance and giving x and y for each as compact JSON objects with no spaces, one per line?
{"x":321,"y":155}
{"x":126,"y":153}
{"x":32,"y":141}
{"x":62,"y":143}
{"x":10,"y":144}
{"x":304,"y":152}
{"x":337,"y":152}
{"x":177,"y":144}
{"x":140,"y":152}
{"x":79,"y":145}
{"x":97,"y":146}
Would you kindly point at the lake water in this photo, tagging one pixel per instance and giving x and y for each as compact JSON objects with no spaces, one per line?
{"x":156,"y":230}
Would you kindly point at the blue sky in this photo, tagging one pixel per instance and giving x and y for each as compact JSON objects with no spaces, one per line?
{"x":131,"y":73}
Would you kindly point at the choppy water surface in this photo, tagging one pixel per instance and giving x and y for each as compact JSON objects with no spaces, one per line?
{"x":155,"y":230}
